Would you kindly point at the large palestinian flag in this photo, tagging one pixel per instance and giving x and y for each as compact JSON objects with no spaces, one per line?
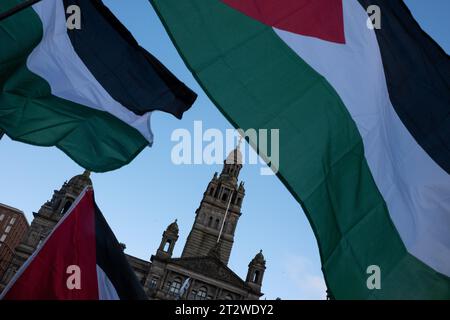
{"x":80,"y":260}
{"x":364,"y":119}
{"x":88,"y":91}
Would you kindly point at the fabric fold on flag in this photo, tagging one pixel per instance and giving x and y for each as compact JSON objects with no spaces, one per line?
{"x":80,"y":260}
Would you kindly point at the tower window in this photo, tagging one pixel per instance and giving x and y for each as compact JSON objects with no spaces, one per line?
{"x":217,"y":224}
{"x":211,"y":191}
{"x":239,"y":201}
{"x":210,"y":222}
{"x":225,"y":196}
{"x":167,"y":246}
{"x":41,"y":240}
{"x":255,"y":277}
{"x":216,"y":194}
{"x":2,"y":216}
{"x":202,"y":293}
{"x":66,"y":206}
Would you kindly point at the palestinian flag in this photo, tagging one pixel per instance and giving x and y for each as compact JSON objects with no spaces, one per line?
{"x":88,"y":91}
{"x":364,"y":122}
{"x":80,"y":260}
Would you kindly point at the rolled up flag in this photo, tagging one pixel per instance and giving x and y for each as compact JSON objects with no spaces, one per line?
{"x":88,"y":89}
{"x":80,"y":260}
{"x":363,"y":116}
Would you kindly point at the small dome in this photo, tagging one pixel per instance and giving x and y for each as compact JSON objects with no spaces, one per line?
{"x":235,"y":157}
{"x":259,"y":259}
{"x":173,"y":227}
{"x":81,"y":179}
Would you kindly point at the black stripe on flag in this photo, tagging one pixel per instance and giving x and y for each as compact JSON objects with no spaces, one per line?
{"x":130,"y":74}
{"x":418,"y":77}
{"x":112,"y":260}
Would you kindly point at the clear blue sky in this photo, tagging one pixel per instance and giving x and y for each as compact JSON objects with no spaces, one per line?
{"x":141,"y":199}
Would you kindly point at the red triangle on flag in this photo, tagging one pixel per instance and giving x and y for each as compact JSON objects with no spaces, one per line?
{"x":321,"y":19}
{"x":64,"y":266}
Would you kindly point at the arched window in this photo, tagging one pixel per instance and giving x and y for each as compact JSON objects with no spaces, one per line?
{"x":66,"y":206}
{"x":210,"y":222}
{"x":174,"y":286}
{"x":211,"y":191}
{"x":239,"y":201}
{"x":217,"y":224}
{"x":202,"y":293}
{"x":167,"y":246}
{"x":255,"y":276}
{"x":224,"y":196}
{"x":219,"y":187}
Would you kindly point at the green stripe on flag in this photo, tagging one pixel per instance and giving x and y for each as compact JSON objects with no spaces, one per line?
{"x":30,"y":113}
{"x":257,"y":82}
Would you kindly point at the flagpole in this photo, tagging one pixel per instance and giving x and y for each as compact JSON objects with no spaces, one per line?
{"x":225,"y":217}
{"x":229,"y":201}
{"x":21,"y":6}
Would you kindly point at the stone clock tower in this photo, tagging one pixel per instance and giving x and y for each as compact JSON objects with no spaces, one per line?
{"x":218,"y":213}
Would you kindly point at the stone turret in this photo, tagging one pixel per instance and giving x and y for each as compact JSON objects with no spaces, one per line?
{"x":256,"y":269}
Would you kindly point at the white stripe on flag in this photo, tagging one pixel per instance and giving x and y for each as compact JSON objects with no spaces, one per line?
{"x":414,"y":187}
{"x":106,"y":290}
{"x":55,"y":60}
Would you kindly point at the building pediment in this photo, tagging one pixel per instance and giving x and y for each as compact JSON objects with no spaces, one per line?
{"x":210,"y":267}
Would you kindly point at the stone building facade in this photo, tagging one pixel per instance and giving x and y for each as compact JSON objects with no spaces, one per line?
{"x":13,"y":227}
{"x":201,"y":272}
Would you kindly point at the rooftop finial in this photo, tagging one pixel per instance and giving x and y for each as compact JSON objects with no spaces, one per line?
{"x":239,"y":142}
